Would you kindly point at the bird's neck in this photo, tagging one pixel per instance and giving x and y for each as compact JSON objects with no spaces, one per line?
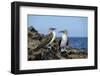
{"x":54,"y":36}
{"x":64,"y":36}
{"x":54,"y":33}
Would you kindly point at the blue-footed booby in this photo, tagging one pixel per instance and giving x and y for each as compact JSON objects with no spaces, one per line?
{"x":64,"y":40}
{"x":46,"y":41}
{"x":52,"y":30}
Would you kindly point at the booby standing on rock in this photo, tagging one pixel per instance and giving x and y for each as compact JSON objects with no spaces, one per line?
{"x":64,"y":41}
{"x":46,"y":41}
{"x":52,"y":31}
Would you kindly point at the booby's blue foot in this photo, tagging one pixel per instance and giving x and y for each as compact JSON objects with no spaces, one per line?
{"x":62,"y":50}
{"x":49,"y":48}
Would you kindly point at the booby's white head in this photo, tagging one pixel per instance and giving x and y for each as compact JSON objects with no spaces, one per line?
{"x":51,"y":30}
{"x":64,"y":32}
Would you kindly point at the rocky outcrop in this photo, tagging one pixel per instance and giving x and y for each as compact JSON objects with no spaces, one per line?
{"x":34,"y":39}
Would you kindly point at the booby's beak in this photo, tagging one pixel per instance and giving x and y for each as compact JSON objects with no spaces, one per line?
{"x":52,"y":29}
{"x":61,"y":31}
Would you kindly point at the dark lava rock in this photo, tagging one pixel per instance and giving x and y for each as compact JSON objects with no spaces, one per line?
{"x":34,"y":39}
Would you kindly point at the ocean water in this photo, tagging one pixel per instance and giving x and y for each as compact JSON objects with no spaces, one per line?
{"x":78,"y":42}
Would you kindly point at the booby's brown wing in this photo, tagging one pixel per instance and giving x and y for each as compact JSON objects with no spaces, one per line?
{"x":44,"y":42}
{"x":67,"y":42}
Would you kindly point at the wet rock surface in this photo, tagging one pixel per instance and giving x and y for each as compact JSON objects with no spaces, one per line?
{"x":34,"y":39}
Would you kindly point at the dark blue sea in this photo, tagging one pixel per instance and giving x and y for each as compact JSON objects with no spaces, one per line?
{"x":78,"y":42}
